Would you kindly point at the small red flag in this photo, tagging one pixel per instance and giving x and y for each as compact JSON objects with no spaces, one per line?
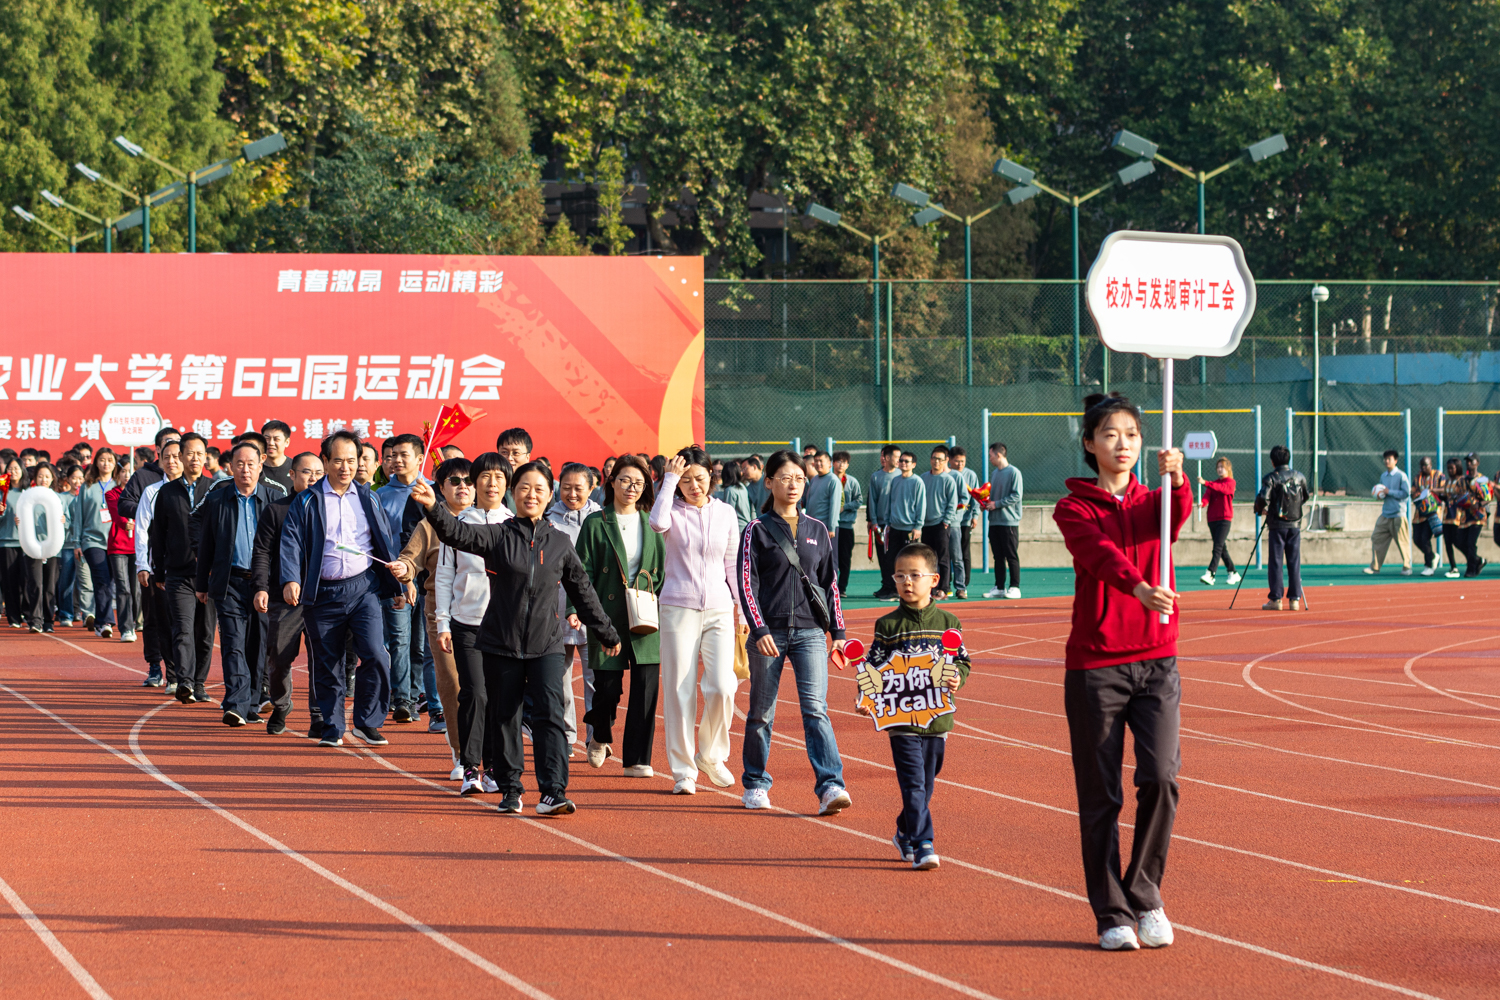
{"x":451,"y":422}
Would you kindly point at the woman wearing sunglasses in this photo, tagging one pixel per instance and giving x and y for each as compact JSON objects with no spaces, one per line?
{"x":618,"y":550}
{"x":418,"y":565}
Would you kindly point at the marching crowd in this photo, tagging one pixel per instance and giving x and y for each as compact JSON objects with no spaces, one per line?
{"x":467,"y":597}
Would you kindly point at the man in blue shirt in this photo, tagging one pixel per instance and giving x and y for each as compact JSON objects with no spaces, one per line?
{"x":1393,"y":489}
{"x":876,"y":516}
{"x":968,"y":513}
{"x":905,"y":508}
{"x":825,"y":494}
{"x":402,"y":457}
{"x":853,"y":498}
{"x":941,"y":490}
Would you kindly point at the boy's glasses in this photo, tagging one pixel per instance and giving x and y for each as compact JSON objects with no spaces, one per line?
{"x":460,"y":481}
{"x":910,"y":577}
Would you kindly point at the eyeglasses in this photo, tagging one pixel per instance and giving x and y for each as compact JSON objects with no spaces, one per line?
{"x":630,"y":485}
{"x":460,"y":481}
{"x":791,"y":480}
{"x":910,"y":577}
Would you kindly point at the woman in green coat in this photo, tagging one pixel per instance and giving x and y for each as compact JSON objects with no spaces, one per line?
{"x":617,"y":544}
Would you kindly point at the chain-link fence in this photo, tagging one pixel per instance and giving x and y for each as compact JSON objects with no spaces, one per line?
{"x":923,"y":360}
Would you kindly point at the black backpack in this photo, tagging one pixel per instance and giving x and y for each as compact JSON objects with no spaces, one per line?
{"x":1284,"y":501}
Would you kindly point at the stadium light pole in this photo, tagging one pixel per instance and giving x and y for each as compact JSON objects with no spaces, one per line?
{"x":140,"y":217}
{"x":930,"y":212}
{"x":1319,"y":296}
{"x":105,"y":225}
{"x":1027,"y":186}
{"x":71,"y":241}
{"x":192,"y":180}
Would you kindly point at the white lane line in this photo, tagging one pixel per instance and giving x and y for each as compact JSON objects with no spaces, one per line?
{"x":1477,"y":694}
{"x":550,"y":826}
{"x":1336,"y":677}
{"x":1381,"y":704}
{"x":1407,"y":669}
{"x":140,"y":761}
{"x":59,"y":951}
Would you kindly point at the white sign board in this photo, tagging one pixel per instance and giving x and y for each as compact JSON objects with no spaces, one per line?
{"x":1199,"y":445}
{"x":130,"y":425}
{"x":1170,"y":295}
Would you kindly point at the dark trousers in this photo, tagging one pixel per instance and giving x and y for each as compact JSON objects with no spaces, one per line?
{"x":1100,"y":704}
{"x":242,"y":640}
{"x":284,"y":626}
{"x":966,"y":540}
{"x":157,"y":647}
{"x":1470,"y":541}
{"x":935,"y":536}
{"x":192,"y":625}
{"x":1005,"y":549}
{"x":101,"y":578}
{"x":67,"y":578}
{"x":127,"y":590}
{"x":846,"y":555}
{"x":1219,"y":532}
{"x":886,"y":546}
{"x":918,"y":760}
{"x":41,"y":590}
{"x":1286,"y":540}
{"x":1421,"y":537}
{"x":476,"y":738}
{"x":507,"y":679}
{"x":345,"y":608}
{"x":640,"y":713}
{"x":12,"y":577}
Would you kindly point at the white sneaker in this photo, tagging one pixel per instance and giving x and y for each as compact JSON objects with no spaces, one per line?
{"x":1234,"y":578}
{"x":127,"y":637}
{"x":1013,"y":594}
{"x":1406,"y":572}
{"x":1155,"y":929}
{"x":1370,"y":571}
{"x":756,"y":798}
{"x":1428,"y":571}
{"x":993,"y":593}
{"x":1207,"y":578}
{"x":717,"y":773}
{"x":488,"y":784}
{"x":598,"y":752}
{"x":639,"y":771}
{"x":473,"y":782}
{"x":457,"y":774}
{"x":834,"y":801}
{"x":1453,"y":574}
{"x":1119,"y":939}
{"x":685,"y":786}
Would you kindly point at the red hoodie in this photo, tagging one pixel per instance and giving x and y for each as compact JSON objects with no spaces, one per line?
{"x":1116,"y":545}
{"x":1218,"y":497}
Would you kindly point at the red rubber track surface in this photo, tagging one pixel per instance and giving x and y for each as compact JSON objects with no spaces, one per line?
{"x":1338,"y":836}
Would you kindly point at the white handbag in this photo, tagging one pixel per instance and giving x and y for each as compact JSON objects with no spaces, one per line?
{"x":641,"y":606}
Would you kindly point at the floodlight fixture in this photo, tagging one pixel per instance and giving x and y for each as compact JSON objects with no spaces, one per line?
{"x":92,"y":175}
{"x":911,"y":195}
{"x":1266,"y":148}
{"x":1017,"y":195}
{"x":1136,"y":171}
{"x":23,"y":213}
{"x":273,"y":143}
{"x":826,"y":215}
{"x":1014,"y":172}
{"x":1133,"y":145}
{"x":129,"y":146}
{"x":171,"y":192}
{"x":926,"y":216}
{"x":53,"y":199}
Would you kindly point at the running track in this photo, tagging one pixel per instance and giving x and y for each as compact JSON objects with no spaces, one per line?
{"x":1337,"y":838}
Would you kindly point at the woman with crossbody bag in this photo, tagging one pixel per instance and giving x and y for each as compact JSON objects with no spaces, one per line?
{"x":789,"y":593}
{"x":702,"y":536}
{"x":621,"y":554}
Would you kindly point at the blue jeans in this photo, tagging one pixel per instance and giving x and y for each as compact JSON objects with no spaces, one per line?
{"x":398,"y":644}
{"x":956,"y":556}
{"x":808,"y":650}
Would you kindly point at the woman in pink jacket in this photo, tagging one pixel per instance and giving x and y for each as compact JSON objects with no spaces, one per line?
{"x":698,"y":601}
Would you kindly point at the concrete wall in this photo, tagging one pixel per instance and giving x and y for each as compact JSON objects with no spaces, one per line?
{"x":1344,"y":541}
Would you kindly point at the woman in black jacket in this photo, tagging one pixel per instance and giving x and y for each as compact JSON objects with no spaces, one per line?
{"x":521,"y":636}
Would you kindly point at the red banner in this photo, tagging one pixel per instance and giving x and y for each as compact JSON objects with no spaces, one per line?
{"x":592,"y":355}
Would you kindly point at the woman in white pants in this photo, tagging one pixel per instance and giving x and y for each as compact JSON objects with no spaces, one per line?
{"x":699,"y":598}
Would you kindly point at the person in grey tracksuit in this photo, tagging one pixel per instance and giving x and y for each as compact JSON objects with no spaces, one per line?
{"x":853,"y":498}
{"x":875,"y":515}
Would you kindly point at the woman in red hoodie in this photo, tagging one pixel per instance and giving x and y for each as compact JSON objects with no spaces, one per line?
{"x":1218,"y":497}
{"x":1122,"y":670}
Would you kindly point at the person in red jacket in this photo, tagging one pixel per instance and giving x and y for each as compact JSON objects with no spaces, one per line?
{"x":1218,"y":497}
{"x":1122,"y":670}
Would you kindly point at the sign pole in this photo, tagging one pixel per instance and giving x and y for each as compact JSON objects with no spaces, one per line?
{"x":1167,"y":374}
{"x":1199,"y":504}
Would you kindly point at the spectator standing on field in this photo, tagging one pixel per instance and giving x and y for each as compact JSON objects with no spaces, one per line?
{"x":752,"y":474}
{"x":877,"y":516}
{"x":1005,"y":523}
{"x":958,"y":460}
{"x":853,"y":498}
{"x":402,"y":458}
{"x":1283,"y":491}
{"x":737,"y":494}
{"x":825,"y":493}
{"x":1392,"y":491}
{"x":941,"y":515}
{"x":1218,"y":497}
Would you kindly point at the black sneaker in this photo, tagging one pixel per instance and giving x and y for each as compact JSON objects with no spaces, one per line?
{"x":402,"y":714}
{"x":185,"y":694}
{"x":422,"y":704}
{"x":254,"y":719}
{"x":153,"y":678}
{"x":331,"y":739}
{"x":276,"y":725}
{"x":200,"y":693}
{"x":511,"y":803}
{"x":370,"y":735}
{"x":233,"y":720}
{"x":555,"y":807}
{"x":315,"y":730}
{"x":46,"y":629}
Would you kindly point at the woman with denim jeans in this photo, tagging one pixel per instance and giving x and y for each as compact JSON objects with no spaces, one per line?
{"x":783,"y":625}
